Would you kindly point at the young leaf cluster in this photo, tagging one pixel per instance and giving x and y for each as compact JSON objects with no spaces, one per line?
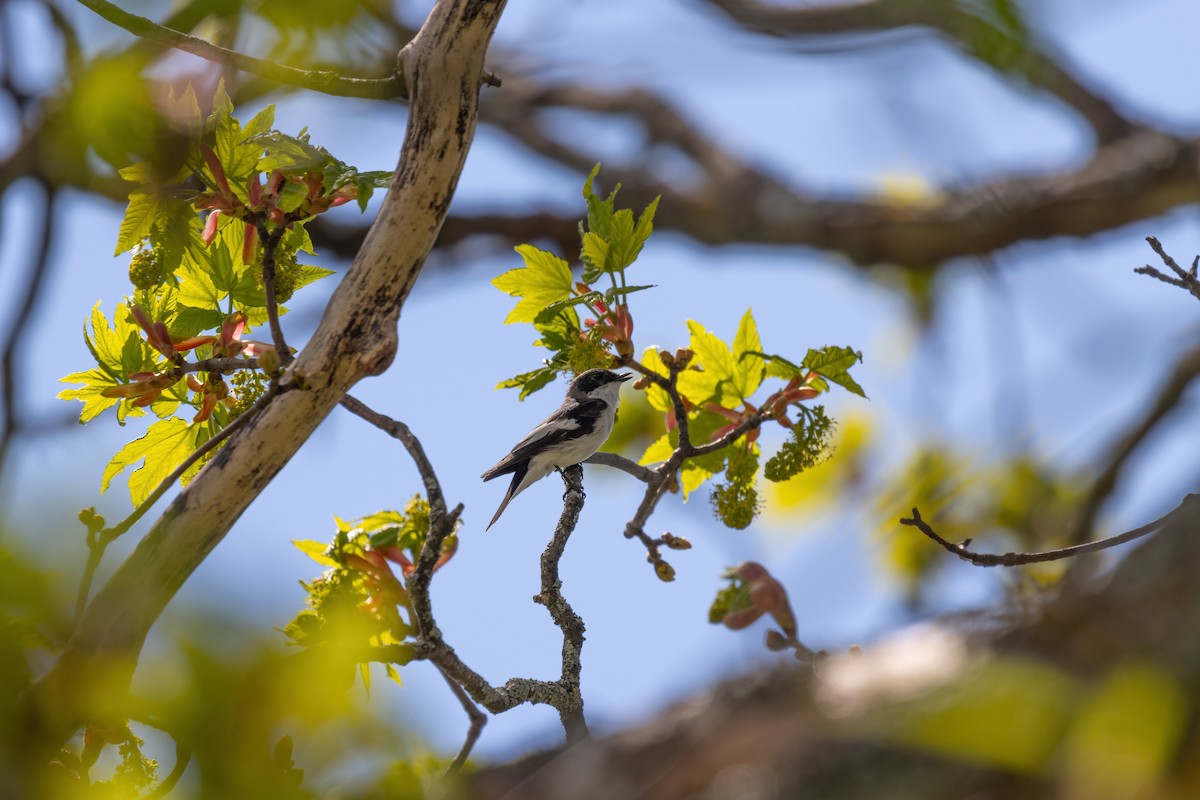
{"x":201,"y":240}
{"x":711,"y":381}
{"x":360,"y":603}
{"x":550,"y":297}
{"x":717,"y":388}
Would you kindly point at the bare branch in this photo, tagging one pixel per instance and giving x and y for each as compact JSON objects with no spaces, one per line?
{"x":477,"y":720}
{"x":551,"y":596}
{"x":22,"y":310}
{"x":643,"y":474}
{"x":398,"y":430}
{"x":316,"y":80}
{"x":1133,"y":177}
{"x":1018,"y":559}
{"x":1187,"y":279}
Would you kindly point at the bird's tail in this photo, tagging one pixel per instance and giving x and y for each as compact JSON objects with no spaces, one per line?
{"x":508,"y":496}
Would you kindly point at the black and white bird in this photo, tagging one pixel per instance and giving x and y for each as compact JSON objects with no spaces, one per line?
{"x":568,"y":436}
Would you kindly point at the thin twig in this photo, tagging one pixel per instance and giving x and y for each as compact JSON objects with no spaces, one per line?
{"x":398,"y":430}
{"x":323,"y":81}
{"x":1187,"y":279}
{"x":98,"y":543}
{"x":643,"y":474}
{"x":270,"y":242}
{"x":1018,"y":559}
{"x":478,"y":720}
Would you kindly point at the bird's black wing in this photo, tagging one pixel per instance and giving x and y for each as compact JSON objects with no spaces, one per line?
{"x":571,"y":421}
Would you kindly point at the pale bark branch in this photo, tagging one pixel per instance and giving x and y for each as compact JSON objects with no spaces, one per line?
{"x":356,"y":338}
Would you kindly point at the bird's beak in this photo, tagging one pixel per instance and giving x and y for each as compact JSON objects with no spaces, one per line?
{"x":626,"y":376}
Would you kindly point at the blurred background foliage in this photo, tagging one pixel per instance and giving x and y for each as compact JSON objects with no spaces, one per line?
{"x":953,"y":249}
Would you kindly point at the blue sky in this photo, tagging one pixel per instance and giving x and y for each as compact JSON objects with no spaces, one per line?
{"x":1092,"y":341}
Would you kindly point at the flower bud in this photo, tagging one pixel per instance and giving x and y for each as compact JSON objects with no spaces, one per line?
{"x":664,"y":571}
{"x":775,"y":641}
{"x":676,"y":542}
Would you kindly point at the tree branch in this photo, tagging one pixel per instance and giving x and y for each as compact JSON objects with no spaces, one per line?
{"x":316,"y":80}
{"x":978,"y":36}
{"x":1186,"y":279}
{"x":22,"y":310}
{"x":401,"y":432}
{"x":477,"y":720}
{"x":98,"y":543}
{"x":643,"y":474}
{"x":551,"y":596}
{"x":356,"y":337}
{"x":1018,"y":559}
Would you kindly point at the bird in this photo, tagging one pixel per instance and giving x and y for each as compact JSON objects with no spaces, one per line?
{"x":568,"y":436}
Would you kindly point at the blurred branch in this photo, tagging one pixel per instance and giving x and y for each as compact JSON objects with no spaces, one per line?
{"x":1018,"y":559}
{"x":1001,"y":44}
{"x":317,"y":80}
{"x":22,"y":309}
{"x":1139,"y":176}
{"x":1185,"y":372}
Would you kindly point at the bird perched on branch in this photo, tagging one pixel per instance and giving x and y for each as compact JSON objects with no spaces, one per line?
{"x":568,"y":436}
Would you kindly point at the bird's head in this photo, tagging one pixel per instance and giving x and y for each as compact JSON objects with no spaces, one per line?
{"x":597,"y":384}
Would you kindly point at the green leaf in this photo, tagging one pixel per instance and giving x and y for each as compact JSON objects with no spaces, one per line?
{"x":693,"y":476}
{"x":714,"y":383}
{"x":139,"y":216}
{"x":658,"y":451}
{"x":529,"y":382}
{"x":656,"y":396}
{"x":317,"y":551}
{"x":544,"y":279}
{"x":711,"y":351}
{"x":627,"y":238}
{"x":308,"y":273}
{"x":594,"y":253}
{"x":612,"y":294}
{"x":367,"y":182}
{"x":778,"y":366}
{"x":748,"y":367}
{"x":196,"y":287}
{"x":94,"y":382}
{"x":834,"y":363}
{"x":551,"y":311}
{"x":293,"y":154}
{"x":164,"y":446}
{"x":600,"y":211}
